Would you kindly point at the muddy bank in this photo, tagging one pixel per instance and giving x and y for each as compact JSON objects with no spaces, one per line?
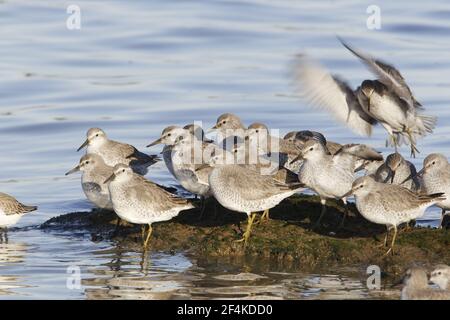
{"x":288,"y":238}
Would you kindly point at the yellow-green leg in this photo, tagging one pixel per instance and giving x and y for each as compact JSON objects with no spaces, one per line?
{"x":248,"y":230}
{"x":391,"y":249}
{"x":385,"y":238}
{"x":265,"y":215}
{"x":143,"y":232}
{"x":147,"y":240}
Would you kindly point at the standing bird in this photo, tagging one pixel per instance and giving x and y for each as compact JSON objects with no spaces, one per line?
{"x":441,"y":276}
{"x":389,"y":204}
{"x":140,"y":201}
{"x":240,"y":189}
{"x":276,"y":148}
{"x":395,"y":170}
{"x":387,"y":100}
{"x":95,"y":172}
{"x":416,"y":287}
{"x":435,"y":177}
{"x":11,"y":211}
{"x":114,"y":152}
{"x":168,"y":138}
{"x":331,"y":176}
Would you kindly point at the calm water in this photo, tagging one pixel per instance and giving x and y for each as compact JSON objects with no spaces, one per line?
{"x":137,"y":66}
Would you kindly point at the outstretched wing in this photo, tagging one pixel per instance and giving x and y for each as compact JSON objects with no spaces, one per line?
{"x":316,"y":85}
{"x":388,"y":75}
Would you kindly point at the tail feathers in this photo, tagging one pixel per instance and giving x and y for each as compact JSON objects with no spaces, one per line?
{"x":424,"y":124}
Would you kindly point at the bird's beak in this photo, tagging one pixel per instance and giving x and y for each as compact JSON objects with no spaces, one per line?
{"x":368,"y":103}
{"x":418,"y":174}
{"x":77,"y":168}
{"x":299,"y":157}
{"x":208,"y":140}
{"x":111,"y":178}
{"x":348,"y":194}
{"x":157,"y":141}
{"x":392,"y":177}
{"x":85,"y":143}
{"x":212,"y":129}
{"x":359,"y":168}
{"x":202,"y":166}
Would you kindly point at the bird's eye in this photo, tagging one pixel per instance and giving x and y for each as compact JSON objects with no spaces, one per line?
{"x":169,"y":134}
{"x":311,"y":149}
{"x":433,"y":162}
{"x":257,"y":131}
{"x":96,"y":135}
{"x":224,"y":121}
{"x":361,"y":186}
{"x":123,"y":170}
{"x":439,"y":273}
{"x":87,"y":162}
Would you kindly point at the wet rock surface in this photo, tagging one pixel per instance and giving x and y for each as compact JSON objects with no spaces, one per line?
{"x":288,"y":239}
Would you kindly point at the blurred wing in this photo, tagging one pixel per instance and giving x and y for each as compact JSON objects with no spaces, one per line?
{"x":322,"y":91}
{"x":361,"y":151}
{"x":388,"y":75}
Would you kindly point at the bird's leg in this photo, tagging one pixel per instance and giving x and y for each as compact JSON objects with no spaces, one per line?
{"x":391,"y":249}
{"x":149,"y":233}
{"x":413,"y":145}
{"x":345,"y":213}
{"x":215,"y":209}
{"x":116,"y":229}
{"x":264,"y":217}
{"x":202,"y":206}
{"x":5,"y":235}
{"x":248,"y":230}
{"x":394,"y":140}
{"x":442,"y":218}
{"x":322,"y":213}
{"x":386,"y":236}
{"x":143,"y":231}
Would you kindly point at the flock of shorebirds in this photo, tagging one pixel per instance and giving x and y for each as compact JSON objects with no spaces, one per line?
{"x":247,"y":169}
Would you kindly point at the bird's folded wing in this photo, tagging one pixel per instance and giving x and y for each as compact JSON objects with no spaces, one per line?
{"x":316,"y":85}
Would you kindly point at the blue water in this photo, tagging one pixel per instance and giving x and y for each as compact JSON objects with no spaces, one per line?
{"x":135,"y":67}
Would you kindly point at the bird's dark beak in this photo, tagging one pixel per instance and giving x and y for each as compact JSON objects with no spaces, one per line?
{"x":157,"y":141}
{"x":299,"y":157}
{"x":368,"y":103}
{"x":202,"y":166}
{"x":359,"y":168}
{"x":418,"y":174}
{"x":77,"y":168}
{"x":215,"y":127}
{"x":111,"y":178}
{"x":392,"y":177}
{"x":348,"y":194}
{"x":208,"y":140}
{"x":85,"y":143}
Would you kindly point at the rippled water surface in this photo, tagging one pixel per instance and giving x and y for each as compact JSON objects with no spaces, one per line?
{"x":135,"y":67}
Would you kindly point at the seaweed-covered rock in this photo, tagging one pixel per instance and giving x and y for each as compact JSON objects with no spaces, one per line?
{"x":287,"y":238}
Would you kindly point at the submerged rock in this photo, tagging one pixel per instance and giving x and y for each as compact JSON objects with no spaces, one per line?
{"x":287,"y":238}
